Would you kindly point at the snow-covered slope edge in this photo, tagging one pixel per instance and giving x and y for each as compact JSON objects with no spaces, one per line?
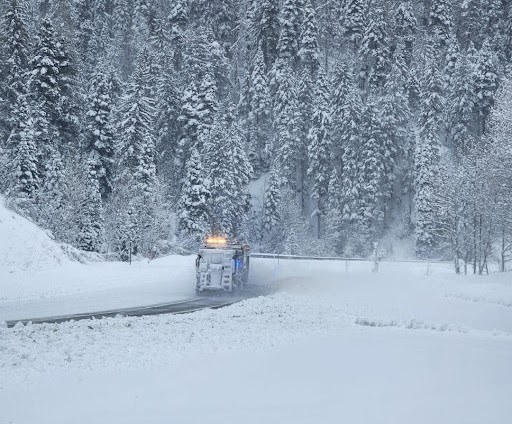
{"x":25,"y":246}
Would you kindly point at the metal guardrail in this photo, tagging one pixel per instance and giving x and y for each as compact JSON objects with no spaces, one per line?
{"x":338,"y":258}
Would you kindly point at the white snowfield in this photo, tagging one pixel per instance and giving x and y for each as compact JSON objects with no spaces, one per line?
{"x":337,"y":343}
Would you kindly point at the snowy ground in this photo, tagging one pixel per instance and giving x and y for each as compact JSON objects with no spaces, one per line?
{"x":100,"y":286}
{"x":38,"y":278}
{"x":413,"y":343}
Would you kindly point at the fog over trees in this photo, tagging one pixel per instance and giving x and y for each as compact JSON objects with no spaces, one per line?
{"x":300,"y":126}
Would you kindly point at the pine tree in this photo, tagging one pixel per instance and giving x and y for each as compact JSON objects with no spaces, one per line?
{"x":334,"y":221}
{"x":308,"y":51}
{"x":264,"y":28}
{"x":178,"y":19}
{"x":486,"y":82}
{"x":258,"y":125}
{"x":394,"y":115}
{"x":168,"y":127}
{"x":189,"y":119}
{"x":137,"y":143}
{"x":136,"y":118}
{"x":405,"y":27}
{"x":461,"y":102}
{"x":14,"y":50}
{"x":52,"y":87}
{"x":354,"y":21}
{"x":99,"y":134}
{"x":375,"y":52}
{"x":341,"y":85}
{"x":23,"y":154}
{"x":207,"y":103}
{"x":372,"y":174}
{"x":288,"y":44}
{"x":305,"y":101}
{"x":91,"y":219}
{"x":440,"y":20}
{"x":124,"y":51}
{"x":271,"y":217}
{"x":195,"y":197}
{"x":85,"y":34}
{"x":229,"y":173}
{"x":426,"y":160}
{"x":319,"y":149}
{"x":472,"y":21}
{"x":350,"y":160}
{"x":204,"y":55}
{"x":287,"y":142}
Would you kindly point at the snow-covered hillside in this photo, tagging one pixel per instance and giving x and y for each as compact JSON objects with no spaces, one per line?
{"x":23,"y":245}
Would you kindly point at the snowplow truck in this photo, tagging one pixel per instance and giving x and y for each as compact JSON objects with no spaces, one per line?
{"x":222,"y":267}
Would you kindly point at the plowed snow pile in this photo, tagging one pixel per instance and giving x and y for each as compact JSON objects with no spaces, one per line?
{"x":23,"y":245}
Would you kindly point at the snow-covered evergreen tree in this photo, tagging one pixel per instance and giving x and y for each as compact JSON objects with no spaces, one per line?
{"x":99,"y":134}
{"x":264,"y":28}
{"x":53,"y":87}
{"x":195,"y":197}
{"x":486,"y":82}
{"x":178,"y":19}
{"x":405,"y":27}
{"x":319,"y":149}
{"x":354,"y":24}
{"x":23,"y":155}
{"x":440,"y":19}
{"x":189,"y":119}
{"x":14,"y":52}
{"x":375,"y":52}
{"x":259,"y":113}
{"x":229,"y":173}
{"x":461,"y":102}
{"x":341,"y":84}
{"x":271,"y":216}
{"x":427,"y":157}
{"x":350,"y":160}
{"x":372,"y":175}
{"x":207,"y":103}
{"x":288,"y":44}
{"x":308,"y":51}
{"x":137,"y":147}
{"x":287,"y":142}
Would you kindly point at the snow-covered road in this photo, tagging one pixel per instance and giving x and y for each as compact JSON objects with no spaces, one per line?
{"x":337,"y":343}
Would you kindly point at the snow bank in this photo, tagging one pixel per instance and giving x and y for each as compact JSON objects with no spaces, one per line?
{"x":23,"y":245}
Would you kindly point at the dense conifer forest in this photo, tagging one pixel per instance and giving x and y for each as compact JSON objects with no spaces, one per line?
{"x":317,"y":127}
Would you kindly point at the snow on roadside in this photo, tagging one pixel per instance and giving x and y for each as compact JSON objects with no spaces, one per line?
{"x":333,"y":341}
{"x":100,"y":286}
{"x":120,"y":343}
{"x":302,"y":309}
